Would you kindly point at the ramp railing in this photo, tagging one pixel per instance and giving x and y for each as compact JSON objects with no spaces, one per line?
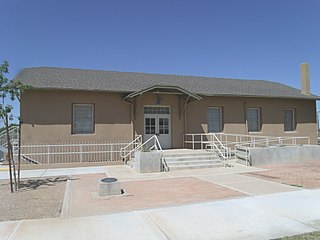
{"x":226,"y":144}
{"x":127,"y":152}
{"x":56,"y":153}
{"x":13,"y":133}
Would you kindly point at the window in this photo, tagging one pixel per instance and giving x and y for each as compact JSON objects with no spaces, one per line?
{"x":150,"y":125}
{"x":164,"y":125}
{"x":289,"y":122}
{"x":82,"y":118}
{"x":253,"y":119}
{"x":214,"y":115}
{"x":156,"y":110}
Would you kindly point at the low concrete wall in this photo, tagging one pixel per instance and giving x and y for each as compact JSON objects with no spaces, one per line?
{"x":147,"y":162}
{"x":288,"y":154}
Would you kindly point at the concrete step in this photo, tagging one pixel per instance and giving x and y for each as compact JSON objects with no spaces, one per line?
{"x":189,"y":154}
{"x":195,"y":162}
{"x":177,"y":159}
{"x":186,"y":152}
{"x":183,"y":167}
{"x":191,"y":158}
{"x":131,"y":163}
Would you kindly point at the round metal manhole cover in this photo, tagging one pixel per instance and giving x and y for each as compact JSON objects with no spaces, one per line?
{"x":109,"y":180}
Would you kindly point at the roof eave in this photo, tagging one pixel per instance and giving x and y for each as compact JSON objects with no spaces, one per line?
{"x":311,"y":97}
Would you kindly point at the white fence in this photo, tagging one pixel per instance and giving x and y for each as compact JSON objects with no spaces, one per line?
{"x":71,"y":153}
{"x":13,"y":133}
{"x":199,"y":141}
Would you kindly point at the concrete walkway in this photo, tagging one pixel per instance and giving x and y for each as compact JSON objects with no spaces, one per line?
{"x":261,"y":217}
{"x":55,"y":172}
{"x":226,"y":177}
{"x":248,"y":185}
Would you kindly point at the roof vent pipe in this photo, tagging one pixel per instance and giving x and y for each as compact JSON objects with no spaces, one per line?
{"x":305,"y":78}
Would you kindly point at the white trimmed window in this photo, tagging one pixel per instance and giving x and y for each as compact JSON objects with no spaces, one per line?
{"x":214,"y":115}
{"x":253,"y":119}
{"x":289,"y":121}
{"x":82,"y":118}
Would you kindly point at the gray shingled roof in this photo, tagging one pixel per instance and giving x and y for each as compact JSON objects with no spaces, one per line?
{"x":126,"y":82}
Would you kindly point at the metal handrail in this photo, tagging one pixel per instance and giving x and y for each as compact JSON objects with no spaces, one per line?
{"x":249,"y":139}
{"x":225,"y":153}
{"x":223,"y":144}
{"x":266,"y":142}
{"x":157,"y":146}
{"x":73,"y":152}
{"x":135,"y":143}
{"x":13,"y":132}
{"x":212,"y":140}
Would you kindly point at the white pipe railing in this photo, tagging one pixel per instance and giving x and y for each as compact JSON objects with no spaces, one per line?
{"x":232,"y":140}
{"x":220,"y":148}
{"x":155,"y":145}
{"x":206,"y":141}
{"x":71,"y":153}
{"x":276,"y":141}
{"x":243,"y":149}
{"x":224,"y":142}
{"x":13,"y":133}
{"x":128,"y":151}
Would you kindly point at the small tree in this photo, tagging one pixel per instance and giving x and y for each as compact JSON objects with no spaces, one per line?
{"x":12,"y":90}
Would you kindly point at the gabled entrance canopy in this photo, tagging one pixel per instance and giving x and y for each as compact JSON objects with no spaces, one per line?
{"x":162,"y":89}
{"x":184,"y":96}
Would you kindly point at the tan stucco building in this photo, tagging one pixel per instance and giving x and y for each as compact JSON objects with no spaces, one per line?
{"x":75,"y":105}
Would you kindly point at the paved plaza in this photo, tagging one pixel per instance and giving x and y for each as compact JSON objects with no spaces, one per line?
{"x":213,"y":203}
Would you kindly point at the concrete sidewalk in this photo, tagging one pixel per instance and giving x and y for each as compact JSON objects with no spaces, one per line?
{"x":261,"y":217}
{"x":55,"y":172}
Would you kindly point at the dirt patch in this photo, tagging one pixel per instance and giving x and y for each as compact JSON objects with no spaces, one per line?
{"x":305,"y":175}
{"x":305,"y":236}
{"x":142,"y":194}
{"x":37,"y":198}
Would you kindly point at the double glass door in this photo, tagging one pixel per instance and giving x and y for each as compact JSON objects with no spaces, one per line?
{"x":157,"y":122}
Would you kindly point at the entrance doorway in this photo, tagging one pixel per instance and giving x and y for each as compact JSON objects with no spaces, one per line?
{"x":157,"y":121}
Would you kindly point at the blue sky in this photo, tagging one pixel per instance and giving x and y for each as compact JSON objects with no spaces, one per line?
{"x":247,"y":39}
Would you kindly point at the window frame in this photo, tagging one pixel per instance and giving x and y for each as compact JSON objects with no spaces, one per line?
{"x":293,"y":120}
{"x":259,"y":119}
{"x":73,"y":118}
{"x":221,"y":119}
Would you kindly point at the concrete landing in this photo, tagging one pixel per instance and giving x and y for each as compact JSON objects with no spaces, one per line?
{"x":249,"y":185}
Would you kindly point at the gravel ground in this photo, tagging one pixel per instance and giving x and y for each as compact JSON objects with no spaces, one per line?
{"x":37,"y":198}
{"x":306,"y":236}
{"x":306,"y":174}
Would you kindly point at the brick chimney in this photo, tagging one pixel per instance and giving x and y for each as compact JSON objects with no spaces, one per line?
{"x":305,"y":78}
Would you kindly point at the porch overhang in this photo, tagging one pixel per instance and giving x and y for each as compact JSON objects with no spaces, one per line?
{"x":163,"y":89}
{"x":184,"y":96}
